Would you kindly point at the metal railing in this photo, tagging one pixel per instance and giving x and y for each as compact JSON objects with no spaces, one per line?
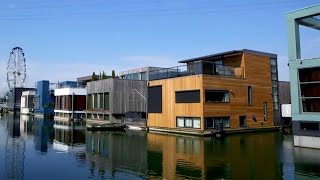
{"x":208,"y":68}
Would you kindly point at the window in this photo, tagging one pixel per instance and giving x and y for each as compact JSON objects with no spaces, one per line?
{"x":192,"y":96}
{"x":100,"y":100}
{"x":249,"y":95}
{"x":155,"y":99}
{"x":243,"y":121}
{"x":309,"y":126}
{"x":188,"y":122}
{"x":211,"y":121}
{"x":62,"y":102}
{"x":129,"y":76}
{"x":135,"y":76}
{"x":143,"y":76}
{"x":265,"y":111}
{"x":106,"y":101}
{"x":95,"y":101}
{"x":217,"y":96}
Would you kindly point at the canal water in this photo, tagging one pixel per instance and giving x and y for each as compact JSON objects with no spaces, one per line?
{"x":34,"y":148}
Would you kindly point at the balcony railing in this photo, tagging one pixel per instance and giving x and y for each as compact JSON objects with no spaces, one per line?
{"x":208,"y":68}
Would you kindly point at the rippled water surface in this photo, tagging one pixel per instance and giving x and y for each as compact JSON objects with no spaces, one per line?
{"x":34,"y":148}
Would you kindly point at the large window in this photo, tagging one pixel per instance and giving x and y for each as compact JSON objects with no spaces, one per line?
{"x":143,"y":76}
{"x":100,"y":100}
{"x":106,"y":101}
{"x":217,"y":96}
{"x":211,"y":121}
{"x":310,"y":89}
{"x":135,"y":76}
{"x":155,"y":99}
{"x":192,"y":96}
{"x":188,"y":122}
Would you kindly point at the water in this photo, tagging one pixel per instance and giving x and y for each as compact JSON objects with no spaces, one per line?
{"x":34,"y":148}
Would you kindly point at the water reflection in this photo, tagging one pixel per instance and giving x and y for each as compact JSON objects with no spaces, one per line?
{"x":84,"y":154}
{"x":117,"y":152}
{"x":14,"y":149}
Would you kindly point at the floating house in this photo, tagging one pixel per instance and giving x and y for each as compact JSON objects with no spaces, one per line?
{"x":304,"y":79}
{"x":235,"y":89}
{"x":112,"y":100}
{"x":70,"y":98}
{"x":27,"y":102}
{"x":44,"y":99}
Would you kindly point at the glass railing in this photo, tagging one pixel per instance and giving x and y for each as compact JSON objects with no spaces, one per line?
{"x":208,"y":68}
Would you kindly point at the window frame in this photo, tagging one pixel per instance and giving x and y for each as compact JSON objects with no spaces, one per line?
{"x":193,"y":118}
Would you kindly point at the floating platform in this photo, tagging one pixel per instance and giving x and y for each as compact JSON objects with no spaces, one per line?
{"x":105,"y":126}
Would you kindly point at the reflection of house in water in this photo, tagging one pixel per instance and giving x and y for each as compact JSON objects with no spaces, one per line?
{"x":247,"y":156}
{"x":43,"y":133}
{"x":68,"y":137}
{"x":306,"y":160}
{"x":117,"y":152}
{"x":14,"y":150}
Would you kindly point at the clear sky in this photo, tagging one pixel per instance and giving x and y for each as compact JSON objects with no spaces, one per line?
{"x":63,"y":40}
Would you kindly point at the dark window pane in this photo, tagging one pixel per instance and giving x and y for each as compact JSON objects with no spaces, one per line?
{"x":309,"y":126}
{"x":188,"y":96}
{"x":249,"y":95}
{"x":216,"y":96}
{"x":155,"y":99}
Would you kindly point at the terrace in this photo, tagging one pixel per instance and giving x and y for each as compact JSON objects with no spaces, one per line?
{"x":215,"y":68}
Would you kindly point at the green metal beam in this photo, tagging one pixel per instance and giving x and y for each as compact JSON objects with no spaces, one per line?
{"x":305,"y":12}
{"x":310,"y":22}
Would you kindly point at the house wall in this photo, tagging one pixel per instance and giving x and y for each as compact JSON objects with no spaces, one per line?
{"x":170,"y":109}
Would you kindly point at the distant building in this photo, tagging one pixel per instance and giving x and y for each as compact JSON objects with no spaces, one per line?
{"x":14,"y":98}
{"x":70,"y":100}
{"x":304,"y":79}
{"x":44,"y":99}
{"x":138,"y":74}
{"x":234,"y":89}
{"x":27,"y":105}
{"x":110,"y":100}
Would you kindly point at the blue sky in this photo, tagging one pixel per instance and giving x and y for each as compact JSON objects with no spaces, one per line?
{"x":63,"y":40}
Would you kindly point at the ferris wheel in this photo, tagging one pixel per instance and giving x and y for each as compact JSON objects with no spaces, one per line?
{"x":16,"y":68}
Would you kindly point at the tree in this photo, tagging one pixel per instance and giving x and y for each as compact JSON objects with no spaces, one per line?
{"x":93,"y":77}
{"x":104,"y":76}
{"x":113,"y":74}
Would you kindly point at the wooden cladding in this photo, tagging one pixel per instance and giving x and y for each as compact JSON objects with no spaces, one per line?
{"x":65,"y":102}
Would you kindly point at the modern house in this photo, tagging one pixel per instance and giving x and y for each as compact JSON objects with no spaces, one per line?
{"x":236,"y":88}
{"x":304,"y":78}
{"x":27,"y":102}
{"x":138,"y":74}
{"x":70,"y":98}
{"x":111,"y":100}
{"x":44,"y":99}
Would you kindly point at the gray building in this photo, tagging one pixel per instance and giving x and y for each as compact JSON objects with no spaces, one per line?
{"x":138,"y":74}
{"x":112,"y":100}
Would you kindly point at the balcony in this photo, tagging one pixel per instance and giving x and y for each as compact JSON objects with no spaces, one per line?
{"x":208,"y":68}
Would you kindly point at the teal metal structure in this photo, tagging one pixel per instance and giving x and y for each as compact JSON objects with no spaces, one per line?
{"x":306,"y":123}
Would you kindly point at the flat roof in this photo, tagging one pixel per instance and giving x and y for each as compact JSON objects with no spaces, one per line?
{"x":226,"y":53}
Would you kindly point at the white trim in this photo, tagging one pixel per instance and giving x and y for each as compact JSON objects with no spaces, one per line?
{"x":70,"y":91}
{"x":66,"y":111}
{"x":306,"y":141}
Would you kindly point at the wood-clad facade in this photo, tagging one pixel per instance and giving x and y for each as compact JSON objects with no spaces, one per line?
{"x":112,"y":99}
{"x":244,"y":100}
